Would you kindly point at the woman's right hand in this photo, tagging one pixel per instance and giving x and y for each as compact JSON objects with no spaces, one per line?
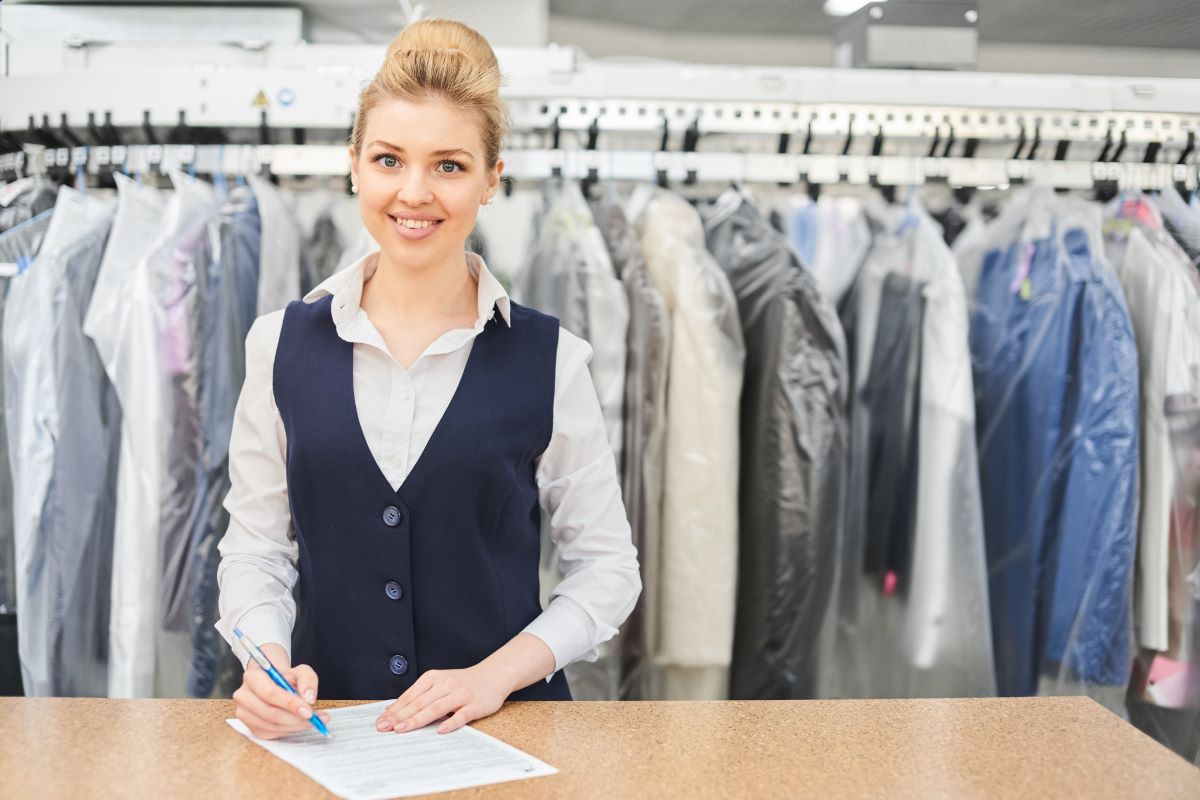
{"x":270,"y":711}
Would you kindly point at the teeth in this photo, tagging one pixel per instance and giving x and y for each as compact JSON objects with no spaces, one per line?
{"x":415,"y":223}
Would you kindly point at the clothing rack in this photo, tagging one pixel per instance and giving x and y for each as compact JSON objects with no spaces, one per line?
{"x":621,"y":119}
{"x":621,"y":165}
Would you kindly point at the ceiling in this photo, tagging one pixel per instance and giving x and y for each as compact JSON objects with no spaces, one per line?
{"x":1126,"y":23}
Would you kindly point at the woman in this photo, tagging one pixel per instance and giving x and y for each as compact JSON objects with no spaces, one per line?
{"x":398,"y":430}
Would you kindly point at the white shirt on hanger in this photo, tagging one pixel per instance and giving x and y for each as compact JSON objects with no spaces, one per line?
{"x":398,"y":410}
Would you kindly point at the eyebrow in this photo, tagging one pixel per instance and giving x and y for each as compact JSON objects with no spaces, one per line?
{"x":456,"y":151}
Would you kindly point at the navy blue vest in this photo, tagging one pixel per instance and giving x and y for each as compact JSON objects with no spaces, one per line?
{"x":443,"y":572}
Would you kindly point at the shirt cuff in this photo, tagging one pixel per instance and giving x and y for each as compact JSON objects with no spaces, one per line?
{"x":262,"y":624}
{"x":567,"y":631}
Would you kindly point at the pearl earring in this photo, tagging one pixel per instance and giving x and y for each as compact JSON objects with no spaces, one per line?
{"x":354,"y":188}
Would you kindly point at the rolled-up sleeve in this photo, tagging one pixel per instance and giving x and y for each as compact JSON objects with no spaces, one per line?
{"x":258,"y":554}
{"x":579,"y":489}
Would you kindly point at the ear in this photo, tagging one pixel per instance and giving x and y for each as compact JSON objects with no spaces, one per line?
{"x":493,"y":178}
{"x":353,"y":163}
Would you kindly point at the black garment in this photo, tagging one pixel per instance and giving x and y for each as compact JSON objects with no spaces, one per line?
{"x":793,"y":435}
{"x":891,"y":396}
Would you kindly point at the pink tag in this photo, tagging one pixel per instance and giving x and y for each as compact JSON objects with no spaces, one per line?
{"x":1023,"y":272}
{"x":889,"y":583}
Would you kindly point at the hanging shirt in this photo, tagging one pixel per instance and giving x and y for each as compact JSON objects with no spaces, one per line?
{"x":18,"y":245}
{"x":398,"y":411}
{"x":699,"y":552}
{"x":793,"y":446}
{"x":1156,"y":276}
{"x":63,"y":424}
{"x":645,"y":434}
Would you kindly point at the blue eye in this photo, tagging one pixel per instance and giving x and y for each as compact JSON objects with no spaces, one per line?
{"x":457,"y":167}
{"x":387,"y":159}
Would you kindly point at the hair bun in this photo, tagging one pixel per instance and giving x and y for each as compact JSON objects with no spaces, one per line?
{"x":444,"y":35}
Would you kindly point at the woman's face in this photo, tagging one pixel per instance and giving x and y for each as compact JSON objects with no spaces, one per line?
{"x":421,"y":177}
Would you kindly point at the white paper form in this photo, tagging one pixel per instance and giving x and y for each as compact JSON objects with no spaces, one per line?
{"x":360,"y":763}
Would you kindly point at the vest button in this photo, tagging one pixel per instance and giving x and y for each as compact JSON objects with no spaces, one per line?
{"x":398,"y":664}
{"x":393,"y":590}
{"x":391,"y":516}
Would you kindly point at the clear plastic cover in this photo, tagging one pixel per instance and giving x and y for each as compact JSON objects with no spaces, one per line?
{"x":698,"y":556}
{"x":1056,"y":386}
{"x":63,"y":424}
{"x":18,"y":245}
{"x":1163,"y":292}
{"x":570,"y":275}
{"x":912,"y":612}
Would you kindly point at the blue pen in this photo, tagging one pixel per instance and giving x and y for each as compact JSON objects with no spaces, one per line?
{"x":261,"y":659}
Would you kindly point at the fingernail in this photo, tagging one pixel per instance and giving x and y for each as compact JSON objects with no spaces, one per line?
{"x":310,"y":695}
{"x":305,"y":711}
{"x":402,"y":726}
{"x":383,"y":725}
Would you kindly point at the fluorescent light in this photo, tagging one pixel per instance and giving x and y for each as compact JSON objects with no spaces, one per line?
{"x":844,"y":8}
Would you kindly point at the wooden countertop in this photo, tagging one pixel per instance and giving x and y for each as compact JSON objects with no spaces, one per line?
{"x":1025,"y":748}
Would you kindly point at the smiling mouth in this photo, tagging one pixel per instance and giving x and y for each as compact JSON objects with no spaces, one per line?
{"x":415,"y":224}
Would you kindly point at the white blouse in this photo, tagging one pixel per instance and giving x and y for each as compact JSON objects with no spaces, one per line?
{"x":576,"y":475}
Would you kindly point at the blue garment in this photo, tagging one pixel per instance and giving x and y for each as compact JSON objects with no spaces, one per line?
{"x":228,"y":310}
{"x":1057,"y":415}
{"x":443,"y":572}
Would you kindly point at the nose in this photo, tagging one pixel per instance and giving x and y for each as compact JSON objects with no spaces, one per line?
{"x":414,"y":188}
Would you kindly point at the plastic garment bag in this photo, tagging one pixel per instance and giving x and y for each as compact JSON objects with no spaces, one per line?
{"x":1181,"y":220}
{"x":230,"y":303}
{"x":793,"y":447}
{"x":24,"y":199}
{"x":177,"y":266}
{"x":279,"y":261}
{"x":912,"y":616}
{"x":1163,"y":293}
{"x":832,"y":238}
{"x":645,"y":432}
{"x":569,"y":275}
{"x":121,"y":323}
{"x":698,"y":551}
{"x":63,"y":428}
{"x":1056,"y":383}
{"x":18,"y":245}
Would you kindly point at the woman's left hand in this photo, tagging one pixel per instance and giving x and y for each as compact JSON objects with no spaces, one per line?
{"x":467,"y":694}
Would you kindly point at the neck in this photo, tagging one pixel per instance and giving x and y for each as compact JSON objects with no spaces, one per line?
{"x":406,"y":293}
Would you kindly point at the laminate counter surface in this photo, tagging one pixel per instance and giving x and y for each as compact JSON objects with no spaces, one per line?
{"x":1023,"y":748}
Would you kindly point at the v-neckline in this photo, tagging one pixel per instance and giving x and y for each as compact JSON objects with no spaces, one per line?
{"x":455,"y":400}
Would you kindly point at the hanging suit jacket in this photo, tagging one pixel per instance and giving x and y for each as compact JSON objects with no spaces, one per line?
{"x":699,"y":548}
{"x":230,"y":305}
{"x":793,"y":445}
{"x":1056,"y":381}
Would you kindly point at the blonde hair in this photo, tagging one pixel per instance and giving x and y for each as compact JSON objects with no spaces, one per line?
{"x":440,"y":58}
